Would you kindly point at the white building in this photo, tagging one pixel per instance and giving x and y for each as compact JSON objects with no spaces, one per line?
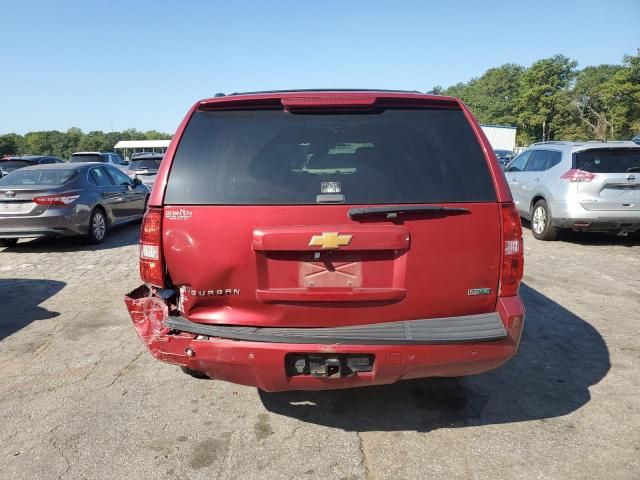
{"x":130,"y":146}
{"x":501,"y":137}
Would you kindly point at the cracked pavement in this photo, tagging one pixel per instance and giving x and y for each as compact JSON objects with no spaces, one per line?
{"x":81,"y":398}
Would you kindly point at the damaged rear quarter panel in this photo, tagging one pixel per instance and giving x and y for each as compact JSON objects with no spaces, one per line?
{"x":148,"y":314}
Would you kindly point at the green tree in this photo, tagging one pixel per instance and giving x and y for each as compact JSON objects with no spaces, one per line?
{"x":465,"y":92}
{"x":622,"y":93}
{"x":95,"y":141}
{"x":10,"y":144}
{"x":57,"y":141}
{"x":132,"y":134}
{"x":544,"y":98}
{"x":591,"y":105}
{"x":37,"y":143}
{"x":63,"y":144}
{"x":73,"y":138}
{"x":155,"y":135}
{"x":494,"y":93}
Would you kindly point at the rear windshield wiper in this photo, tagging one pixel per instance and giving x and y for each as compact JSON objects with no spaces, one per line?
{"x":392,"y":212}
{"x":633,"y":169}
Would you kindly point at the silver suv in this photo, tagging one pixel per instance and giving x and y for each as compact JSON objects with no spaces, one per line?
{"x":591,"y":186}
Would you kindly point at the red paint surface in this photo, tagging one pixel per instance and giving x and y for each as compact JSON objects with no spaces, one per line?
{"x":364,"y":237}
{"x":446,"y":255}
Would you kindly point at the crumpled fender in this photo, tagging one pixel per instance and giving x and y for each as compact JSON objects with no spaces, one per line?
{"x":148,"y":313}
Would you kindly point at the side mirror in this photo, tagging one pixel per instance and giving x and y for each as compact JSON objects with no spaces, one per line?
{"x":137,"y":182}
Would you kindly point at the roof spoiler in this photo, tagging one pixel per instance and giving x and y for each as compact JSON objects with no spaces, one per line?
{"x":329,"y":101}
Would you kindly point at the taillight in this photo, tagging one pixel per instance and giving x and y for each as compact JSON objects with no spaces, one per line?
{"x":55,"y":199}
{"x":151,"y":264}
{"x":512,"y":255}
{"x":575,"y":175}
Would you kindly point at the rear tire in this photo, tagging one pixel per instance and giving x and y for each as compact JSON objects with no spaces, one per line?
{"x":542,"y":222}
{"x":8,"y":242}
{"x":97,"y":227}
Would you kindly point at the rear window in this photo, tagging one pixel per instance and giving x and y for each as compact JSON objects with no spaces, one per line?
{"x":142,"y":164}
{"x":274,"y":157}
{"x":38,"y":177}
{"x":619,"y":160}
{"x":86,"y":158}
{"x":14,"y":163}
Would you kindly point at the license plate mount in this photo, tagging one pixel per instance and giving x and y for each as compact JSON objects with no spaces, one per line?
{"x":328,"y":365}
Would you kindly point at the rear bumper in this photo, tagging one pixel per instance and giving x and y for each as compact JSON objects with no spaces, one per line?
{"x":470,"y":328}
{"x":35,"y":232}
{"x":61,"y":221}
{"x":570,"y":214}
{"x":600,"y":223}
{"x":262,"y":363}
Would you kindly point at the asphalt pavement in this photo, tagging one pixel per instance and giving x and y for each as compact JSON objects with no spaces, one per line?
{"x":82,"y":399}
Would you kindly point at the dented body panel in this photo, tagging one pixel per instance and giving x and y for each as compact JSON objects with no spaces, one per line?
{"x":261,"y":364}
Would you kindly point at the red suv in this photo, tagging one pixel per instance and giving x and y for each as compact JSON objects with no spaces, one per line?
{"x":327,"y":239}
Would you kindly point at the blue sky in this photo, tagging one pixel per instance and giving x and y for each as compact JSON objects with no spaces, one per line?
{"x":103,"y":65}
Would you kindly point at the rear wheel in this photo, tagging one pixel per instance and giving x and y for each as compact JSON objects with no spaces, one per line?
{"x":97,"y":226}
{"x":8,"y":242}
{"x":541,"y":222}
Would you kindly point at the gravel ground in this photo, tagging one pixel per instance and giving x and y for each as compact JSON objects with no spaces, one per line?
{"x":81,"y":398}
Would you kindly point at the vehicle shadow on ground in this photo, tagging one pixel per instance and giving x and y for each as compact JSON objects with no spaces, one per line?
{"x":560,"y":357}
{"x":21,"y":298}
{"x":586,"y":238}
{"x":594,"y":238}
{"x":116,"y":237}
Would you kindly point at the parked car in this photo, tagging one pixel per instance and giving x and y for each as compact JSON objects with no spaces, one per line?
{"x":145,"y":167}
{"x":334,"y":239}
{"x":504,"y":156}
{"x":9,"y":164}
{"x":135,"y":155}
{"x":592,"y":186}
{"x":65,"y":199}
{"x":101,"y":157}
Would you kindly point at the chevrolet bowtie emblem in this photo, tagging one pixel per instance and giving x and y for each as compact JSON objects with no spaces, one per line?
{"x":330,"y":240}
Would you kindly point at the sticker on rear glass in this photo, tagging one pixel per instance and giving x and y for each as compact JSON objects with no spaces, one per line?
{"x":478,"y":291}
{"x":181,"y":214}
{"x":330,"y":187}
